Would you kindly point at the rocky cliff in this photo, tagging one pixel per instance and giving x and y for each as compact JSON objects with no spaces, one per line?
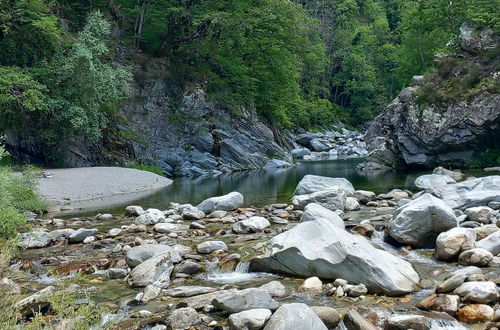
{"x":448,"y":116}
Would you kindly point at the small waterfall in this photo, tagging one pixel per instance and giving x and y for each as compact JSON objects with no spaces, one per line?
{"x":240,"y":275}
{"x":440,"y":324}
{"x":242,"y":267}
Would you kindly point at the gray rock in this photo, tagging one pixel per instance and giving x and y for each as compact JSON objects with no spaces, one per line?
{"x":314,"y":183}
{"x":184,"y":318}
{"x":475,"y":257}
{"x":217,"y":214}
{"x":355,"y":290}
{"x":244,"y":300}
{"x":189,"y":291}
{"x":300,"y":152}
{"x":277,"y":163}
{"x":305,"y":138}
{"x":251,"y":225}
{"x":455,"y":279}
{"x":61,"y":233}
{"x":274,"y":288}
{"x":403,"y":322}
{"x":252,"y":319}
{"x":472,"y":192}
{"x":479,"y":292}
{"x":167,"y":228}
{"x":491,"y":243}
{"x":319,"y":248}
{"x":419,"y":222}
{"x":450,"y":243}
{"x":481,"y":214}
{"x":8,"y":286}
{"x":227,"y":202}
{"x":150,"y":217}
{"x":187,"y":267}
{"x":190,"y":212}
{"x":295,"y":316}
{"x":113,"y":232}
{"x":354,"y":321}
{"x":150,"y":292}
{"x":35,"y":239}
{"x":141,"y":253}
{"x":134,"y":210}
{"x":155,"y":270}
{"x":114,"y":273}
{"x":321,"y":145}
{"x":313,"y":212}
{"x":39,"y":296}
{"x":81,"y":234}
{"x":211,"y":246}
{"x":455,"y":175}
{"x":333,"y":199}
{"x":330,"y":316}
{"x":364,"y":196}
{"x":433,"y":183}
{"x":351,"y":204}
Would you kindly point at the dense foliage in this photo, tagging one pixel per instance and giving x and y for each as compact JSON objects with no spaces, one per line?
{"x":302,"y":63}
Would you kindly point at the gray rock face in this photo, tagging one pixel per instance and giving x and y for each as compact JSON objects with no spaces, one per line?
{"x":476,"y":41}
{"x":251,"y":225}
{"x":479,"y":292}
{"x":313,"y":212}
{"x":8,"y":286}
{"x":155,"y":270}
{"x":472,"y":192}
{"x":314,"y":183}
{"x":211,"y":246}
{"x":319,"y":248}
{"x":419,"y":222}
{"x":277,"y":163}
{"x":227,"y":202}
{"x":333,"y":199}
{"x":252,"y":319}
{"x":450,"y":243}
{"x":244,"y":300}
{"x":80,"y":234}
{"x":491,"y":243}
{"x":141,"y":253}
{"x":295,"y":316}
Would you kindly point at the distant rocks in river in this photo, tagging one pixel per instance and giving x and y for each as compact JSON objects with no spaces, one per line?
{"x":227,"y":202}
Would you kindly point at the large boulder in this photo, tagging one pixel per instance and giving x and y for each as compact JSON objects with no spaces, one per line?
{"x":149,"y":217}
{"x":155,"y":271}
{"x":433,"y":183}
{"x":295,"y":316}
{"x":419,"y":222}
{"x":141,"y":253}
{"x":313,"y":212}
{"x":332,"y":198}
{"x":491,"y":243}
{"x":313,"y":183}
{"x":244,"y":300}
{"x":479,"y":292}
{"x":456,"y":278}
{"x":320,"y":248}
{"x":450,"y":243}
{"x":227,"y":202}
{"x":472,"y":192}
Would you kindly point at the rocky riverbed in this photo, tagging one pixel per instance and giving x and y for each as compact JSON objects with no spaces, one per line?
{"x":335,"y":257}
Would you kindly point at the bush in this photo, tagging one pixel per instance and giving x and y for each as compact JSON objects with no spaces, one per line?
{"x":145,"y":167}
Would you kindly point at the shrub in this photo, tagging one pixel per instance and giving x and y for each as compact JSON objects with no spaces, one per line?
{"x":144,"y":167}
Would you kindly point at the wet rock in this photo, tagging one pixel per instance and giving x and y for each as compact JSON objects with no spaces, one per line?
{"x":294,"y":316}
{"x":244,"y":300}
{"x":8,"y":286}
{"x":419,"y":222}
{"x":490,"y":243}
{"x":312,"y":285}
{"x":189,"y":291}
{"x":319,"y":248}
{"x":354,"y":321}
{"x":475,"y":257}
{"x":190,"y":212}
{"x":455,"y":174}
{"x":313,"y":212}
{"x":134,"y":210}
{"x":35,"y":239}
{"x":333,"y":199}
{"x":450,"y":243}
{"x":150,"y":217}
{"x":155,"y":270}
{"x":188,"y":267}
{"x":184,"y":318}
{"x":227,"y":202}
{"x":364,"y":196}
{"x":252,"y":319}
{"x":251,"y":225}
{"x":330,"y":316}
{"x":455,"y":279}
{"x":440,"y":303}
{"x":479,"y":292}
{"x":274,"y":288}
{"x":314,"y":183}
{"x":141,"y":253}
{"x":277,"y":163}
{"x":475,"y":313}
{"x":481,"y":214}
{"x":81,"y":234}
{"x":403,"y":322}
{"x":351,"y":204}
{"x":211,"y":246}
{"x":114,"y":273}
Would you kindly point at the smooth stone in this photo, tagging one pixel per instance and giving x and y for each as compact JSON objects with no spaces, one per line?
{"x":295,"y":316}
{"x":155,"y":270}
{"x":433,"y":182}
{"x":211,"y":246}
{"x":332,"y":199}
{"x":134,"y":210}
{"x":312,"y":285}
{"x":188,"y":267}
{"x":150,"y":217}
{"x":141,"y":253}
{"x":481,"y":214}
{"x":217,"y":214}
{"x":440,"y":303}
{"x":491,"y":243}
{"x":354,"y":321}
{"x":81,"y":234}
{"x":314,"y":211}
{"x":244,"y":300}
{"x":189,"y":291}
{"x":475,"y":257}
{"x":456,"y":278}
{"x":330,"y":316}
{"x":252,"y":319}
{"x":274,"y":288}
{"x":150,"y":293}
{"x":227,"y":202}
{"x":364,"y":196}
{"x":184,"y":318}
{"x":36,"y":297}
{"x":351,"y":204}
{"x":253,"y":224}
{"x":167,"y":228}
{"x":190,"y":212}
{"x":455,"y":174}
{"x":472,"y":192}
{"x":403,"y":322}
{"x":314,"y":183}
{"x":113,"y":232}
{"x":478,"y":292}
{"x":475,"y":313}
{"x":450,"y":243}
{"x":114,"y":273}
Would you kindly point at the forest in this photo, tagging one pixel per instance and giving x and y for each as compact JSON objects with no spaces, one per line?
{"x":298,"y":63}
